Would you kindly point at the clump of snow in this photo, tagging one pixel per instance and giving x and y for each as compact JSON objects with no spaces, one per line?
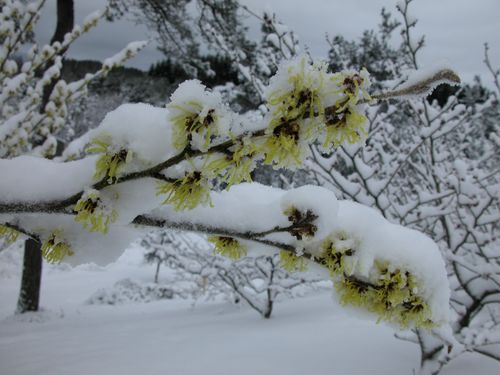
{"x":245,"y":207}
{"x":32,"y":179}
{"x":132,"y":198}
{"x":140,"y":128}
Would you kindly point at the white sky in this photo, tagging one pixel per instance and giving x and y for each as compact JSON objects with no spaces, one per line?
{"x":455,"y":29}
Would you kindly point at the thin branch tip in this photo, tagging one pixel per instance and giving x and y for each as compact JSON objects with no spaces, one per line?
{"x":423,"y":87}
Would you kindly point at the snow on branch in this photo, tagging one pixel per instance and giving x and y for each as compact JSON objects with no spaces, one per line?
{"x":422,"y":84}
{"x":161,"y":167}
{"x":33,"y":97}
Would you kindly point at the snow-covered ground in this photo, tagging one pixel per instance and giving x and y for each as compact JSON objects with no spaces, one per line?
{"x":308,"y":335}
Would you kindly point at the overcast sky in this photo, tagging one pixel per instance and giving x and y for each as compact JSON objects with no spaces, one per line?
{"x":455,"y":30}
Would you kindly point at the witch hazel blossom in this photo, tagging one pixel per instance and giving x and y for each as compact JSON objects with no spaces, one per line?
{"x":94,"y":211}
{"x":235,"y":166}
{"x":187,"y":192}
{"x":55,"y":248}
{"x":308,"y":104}
{"x":112,"y":158}
{"x":196,"y":115}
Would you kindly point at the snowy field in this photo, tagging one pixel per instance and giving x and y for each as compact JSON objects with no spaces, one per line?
{"x":307,"y":335}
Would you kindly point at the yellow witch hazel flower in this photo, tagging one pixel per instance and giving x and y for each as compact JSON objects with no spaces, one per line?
{"x":391,"y":294}
{"x":187,"y":192}
{"x":337,"y":254}
{"x":285,"y":148}
{"x":295,"y":99}
{"x":93,"y":213}
{"x":347,"y":125}
{"x":353,"y":85}
{"x":111,"y":162}
{"x":236,"y":166}
{"x":10,"y":235}
{"x":54,"y":249}
{"x":228,"y":247}
{"x":345,"y":121}
{"x":196,"y":115}
{"x":296,"y":93}
{"x":292,"y":262}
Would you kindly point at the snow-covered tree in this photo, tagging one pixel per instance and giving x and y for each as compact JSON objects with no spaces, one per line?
{"x":34,"y":100}
{"x":180,"y":27}
{"x":435,"y":169}
{"x":164,"y":172}
{"x":258,"y":280}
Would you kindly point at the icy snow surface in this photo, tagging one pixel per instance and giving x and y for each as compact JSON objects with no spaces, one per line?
{"x":304,"y":336}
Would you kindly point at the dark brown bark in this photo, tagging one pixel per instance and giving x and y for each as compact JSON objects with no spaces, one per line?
{"x":65,"y":20}
{"x":29,"y":295}
{"x":65,"y":23}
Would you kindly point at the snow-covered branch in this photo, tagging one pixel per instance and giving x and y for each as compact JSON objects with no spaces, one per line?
{"x":162,"y":174}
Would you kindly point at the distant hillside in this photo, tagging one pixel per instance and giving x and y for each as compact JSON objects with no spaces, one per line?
{"x":130,"y":85}
{"x":122,"y":85}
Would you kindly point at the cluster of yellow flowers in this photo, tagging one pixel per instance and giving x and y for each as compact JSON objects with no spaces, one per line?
{"x":344,"y":121}
{"x":10,"y":235}
{"x":193,"y":120}
{"x":228,"y":246}
{"x":197,"y":116}
{"x":292,"y":262}
{"x":237,"y":165}
{"x":391,"y":294}
{"x":187,"y":192}
{"x":94,"y":215}
{"x":307,"y":104}
{"x":54,"y":249}
{"x":110,"y":162}
{"x":295,"y":99}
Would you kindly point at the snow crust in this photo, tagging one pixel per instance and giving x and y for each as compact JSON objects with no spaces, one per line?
{"x":160,"y":337}
{"x":32,"y":179}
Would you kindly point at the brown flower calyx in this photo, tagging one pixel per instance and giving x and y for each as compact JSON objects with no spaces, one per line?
{"x":334,"y":117}
{"x":302,"y":223}
{"x":287,"y":129}
{"x":351,"y":82}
